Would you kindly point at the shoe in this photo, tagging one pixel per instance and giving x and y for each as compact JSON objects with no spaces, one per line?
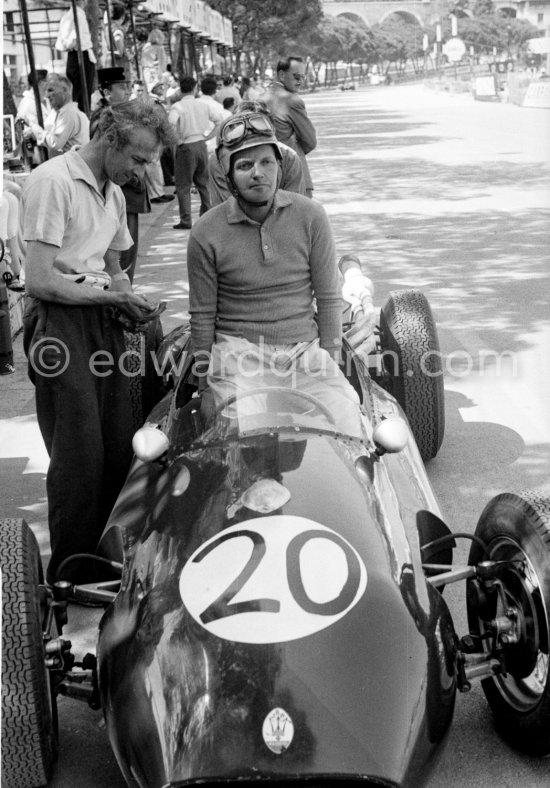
{"x":163,"y":198}
{"x":181,"y":226}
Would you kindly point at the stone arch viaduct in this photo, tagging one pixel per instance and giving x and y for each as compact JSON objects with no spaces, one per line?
{"x":422,"y":12}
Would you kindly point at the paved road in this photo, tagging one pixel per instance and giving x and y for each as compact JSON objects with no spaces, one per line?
{"x":431,"y":191}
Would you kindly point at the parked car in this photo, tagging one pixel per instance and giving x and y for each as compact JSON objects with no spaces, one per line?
{"x":277,"y":612}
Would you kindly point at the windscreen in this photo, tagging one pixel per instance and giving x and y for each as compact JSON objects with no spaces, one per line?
{"x":266,"y":409}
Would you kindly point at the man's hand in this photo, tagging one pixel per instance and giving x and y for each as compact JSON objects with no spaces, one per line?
{"x":137,"y":307}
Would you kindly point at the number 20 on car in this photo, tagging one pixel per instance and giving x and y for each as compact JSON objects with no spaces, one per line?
{"x":272,"y":579}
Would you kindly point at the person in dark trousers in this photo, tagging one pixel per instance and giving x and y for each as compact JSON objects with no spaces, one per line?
{"x":74,"y":224}
{"x":115,"y":89}
{"x":193,"y":121}
{"x":289,"y":114}
{"x":67,"y":42}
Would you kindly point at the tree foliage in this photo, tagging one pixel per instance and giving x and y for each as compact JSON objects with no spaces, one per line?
{"x":265,"y":32}
{"x":396,"y":41}
{"x":487,"y":32}
{"x":339,"y":38}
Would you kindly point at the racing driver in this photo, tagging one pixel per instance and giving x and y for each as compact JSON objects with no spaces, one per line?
{"x":256,"y":263}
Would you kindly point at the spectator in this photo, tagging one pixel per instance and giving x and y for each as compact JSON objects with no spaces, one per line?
{"x":292,"y":178}
{"x":158,"y":92}
{"x":288,"y":112}
{"x":118,"y":28}
{"x":114,"y":88}
{"x":74,"y":224}
{"x":153,"y":58}
{"x":209,"y":87}
{"x":12,"y":263}
{"x":27,"y":111}
{"x":248,"y":91}
{"x":172,"y":88}
{"x":228,"y":90}
{"x":229,"y":104}
{"x":166,"y":175}
{"x":138,"y":89}
{"x":67,"y":42}
{"x":255,"y":264}
{"x":66,"y":126}
{"x":27,"y":114}
{"x":192,"y":120}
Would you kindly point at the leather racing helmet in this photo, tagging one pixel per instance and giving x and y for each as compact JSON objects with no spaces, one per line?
{"x":241,"y":131}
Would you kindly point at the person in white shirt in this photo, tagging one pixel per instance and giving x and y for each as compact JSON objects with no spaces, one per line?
{"x":66,"y":126}
{"x":67,"y":42}
{"x":195,"y":121}
{"x":209,"y":88}
{"x":228,"y":91}
{"x":27,"y":110}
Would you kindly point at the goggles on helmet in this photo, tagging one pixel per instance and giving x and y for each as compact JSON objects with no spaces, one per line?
{"x":236,"y":129}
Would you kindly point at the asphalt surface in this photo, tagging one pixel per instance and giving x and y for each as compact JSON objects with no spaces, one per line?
{"x":431,"y":191}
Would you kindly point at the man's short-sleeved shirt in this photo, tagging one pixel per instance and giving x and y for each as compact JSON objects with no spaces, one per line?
{"x":62,"y":206}
{"x":193,"y":118}
{"x":65,"y":128}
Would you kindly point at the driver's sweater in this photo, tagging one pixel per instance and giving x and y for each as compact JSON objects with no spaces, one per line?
{"x":258,"y":281}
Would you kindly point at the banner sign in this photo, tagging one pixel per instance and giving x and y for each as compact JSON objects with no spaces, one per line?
{"x":201,"y":21}
{"x":538,"y":95}
{"x":540,"y":46}
{"x":228,"y":32}
{"x":185,"y":13}
{"x":216,"y":26}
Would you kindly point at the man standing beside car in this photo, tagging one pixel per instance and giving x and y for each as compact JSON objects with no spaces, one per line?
{"x":75,"y":228}
{"x":288,"y":112}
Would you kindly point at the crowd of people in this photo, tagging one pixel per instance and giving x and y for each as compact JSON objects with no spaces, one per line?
{"x":260,"y":256}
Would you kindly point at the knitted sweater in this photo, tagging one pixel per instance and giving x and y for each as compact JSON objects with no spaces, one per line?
{"x":259,"y":280}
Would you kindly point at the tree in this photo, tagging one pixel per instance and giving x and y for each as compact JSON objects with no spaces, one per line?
{"x":488,"y":32}
{"x":396,"y":41}
{"x":268,"y":31}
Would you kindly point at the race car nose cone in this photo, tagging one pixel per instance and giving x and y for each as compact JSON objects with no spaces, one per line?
{"x":149,"y":443}
{"x":391,"y":435}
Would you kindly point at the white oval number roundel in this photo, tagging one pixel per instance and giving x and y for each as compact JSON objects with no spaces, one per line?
{"x":272,"y":579}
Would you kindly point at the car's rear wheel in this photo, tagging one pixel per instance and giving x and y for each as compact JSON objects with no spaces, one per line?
{"x":29,"y":713}
{"x":516,"y":530}
{"x":412,"y":366}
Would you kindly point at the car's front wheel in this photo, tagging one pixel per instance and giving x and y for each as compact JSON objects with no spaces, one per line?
{"x":413,"y":369}
{"x":29,"y":714}
{"x":516,"y":531}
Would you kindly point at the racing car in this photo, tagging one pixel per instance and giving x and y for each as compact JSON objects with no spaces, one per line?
{"x":276,"y":611}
